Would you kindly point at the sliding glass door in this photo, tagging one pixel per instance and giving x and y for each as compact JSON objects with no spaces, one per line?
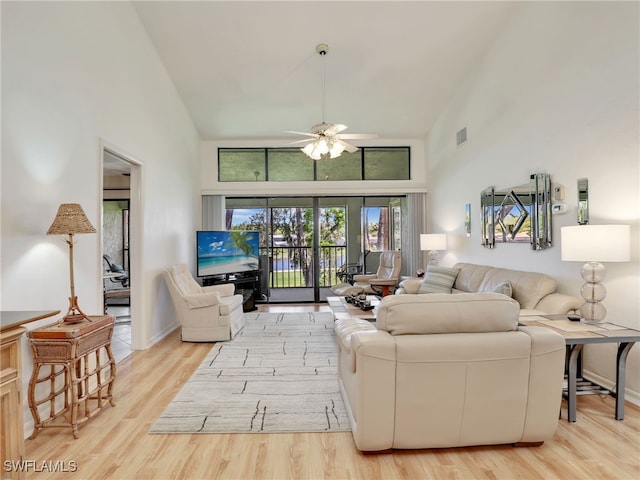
{"x":304,"y":240}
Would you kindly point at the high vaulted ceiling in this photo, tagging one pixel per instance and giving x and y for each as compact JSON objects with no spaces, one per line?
{"x":249,"y":70}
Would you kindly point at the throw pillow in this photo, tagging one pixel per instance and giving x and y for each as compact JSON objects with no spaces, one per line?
{"x":438,"y":279}
{"x":504,"y":288}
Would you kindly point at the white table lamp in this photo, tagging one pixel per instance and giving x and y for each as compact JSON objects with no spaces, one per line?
{"x":433,"y":242}
{"x":595,"y":244}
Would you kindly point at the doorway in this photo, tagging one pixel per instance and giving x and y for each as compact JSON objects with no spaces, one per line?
{"x":119,"y":262}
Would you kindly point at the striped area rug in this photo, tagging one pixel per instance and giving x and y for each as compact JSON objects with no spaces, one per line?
{"x":279,"y":374}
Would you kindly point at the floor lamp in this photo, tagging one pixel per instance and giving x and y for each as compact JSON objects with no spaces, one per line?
{"x":595,"y":244}
{"x":71,"y":220}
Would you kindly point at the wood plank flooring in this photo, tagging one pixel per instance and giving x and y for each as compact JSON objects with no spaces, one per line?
{"x":116,"y":445}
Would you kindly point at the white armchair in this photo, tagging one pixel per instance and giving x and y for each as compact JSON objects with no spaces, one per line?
{"x":383,"y":280}
{"x":206,"y":314}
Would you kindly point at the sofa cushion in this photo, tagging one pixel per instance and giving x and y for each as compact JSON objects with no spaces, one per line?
{"x":504,"y":288}
{"x":470,"y":276}
{"x":444,"y":313}
{"x":438,"y":279}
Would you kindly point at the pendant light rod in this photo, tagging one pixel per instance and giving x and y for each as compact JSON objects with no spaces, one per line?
{"x":322,"y":50}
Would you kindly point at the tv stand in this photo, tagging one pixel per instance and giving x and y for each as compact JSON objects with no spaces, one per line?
{"x":247,"y":284}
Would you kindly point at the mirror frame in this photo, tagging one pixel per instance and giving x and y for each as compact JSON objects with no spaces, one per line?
{"x":487,"y":211}
{"x":533,"y":201}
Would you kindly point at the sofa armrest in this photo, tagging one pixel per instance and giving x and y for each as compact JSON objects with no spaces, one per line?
{"x":201,"y":300}
{"x":410,"y":285}
{"x":559,"y":303}
{"x":373,"y":400}
{"x":345,"y":329}
{"x":546,"y":376}
{"x":225,"y":289}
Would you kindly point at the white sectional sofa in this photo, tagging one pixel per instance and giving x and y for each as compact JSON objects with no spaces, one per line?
{"x":535,"y":292}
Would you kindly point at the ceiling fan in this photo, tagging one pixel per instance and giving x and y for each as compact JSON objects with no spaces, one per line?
{"x":325,"y":138}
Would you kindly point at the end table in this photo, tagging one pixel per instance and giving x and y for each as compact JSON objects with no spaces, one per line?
{"x":80,"y":355}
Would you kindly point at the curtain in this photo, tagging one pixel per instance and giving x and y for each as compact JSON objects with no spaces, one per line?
{"x":213,"y":212}
{"x":415,"y":225}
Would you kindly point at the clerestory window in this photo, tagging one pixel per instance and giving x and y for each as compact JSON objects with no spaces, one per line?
{"x":290,"y":164}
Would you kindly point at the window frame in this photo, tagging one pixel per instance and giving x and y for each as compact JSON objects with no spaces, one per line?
{"x":362,"y":155}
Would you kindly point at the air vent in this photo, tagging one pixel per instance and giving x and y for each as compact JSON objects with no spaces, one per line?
{"x":461,"y":136}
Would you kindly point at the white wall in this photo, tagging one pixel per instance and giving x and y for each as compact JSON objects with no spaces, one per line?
{"x":74,"y":75}
{"x":558,"y":93}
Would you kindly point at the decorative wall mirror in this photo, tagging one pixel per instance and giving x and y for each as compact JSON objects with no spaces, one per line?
{"x":487,"y":212}
{"x":583,"y":201}
{"x":520,"y":214}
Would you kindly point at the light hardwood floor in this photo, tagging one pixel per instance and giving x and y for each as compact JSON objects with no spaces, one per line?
{"x":116,"y":445}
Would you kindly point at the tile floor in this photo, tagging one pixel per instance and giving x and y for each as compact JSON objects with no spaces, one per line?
{"x":121,"y":341}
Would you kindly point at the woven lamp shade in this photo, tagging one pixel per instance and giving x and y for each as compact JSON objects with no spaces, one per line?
{"x":70,"y":219}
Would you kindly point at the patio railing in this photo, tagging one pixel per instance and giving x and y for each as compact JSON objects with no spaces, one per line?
{"x":291,"y":267}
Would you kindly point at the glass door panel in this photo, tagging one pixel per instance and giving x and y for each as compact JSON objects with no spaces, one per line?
{"x":291,"y":252}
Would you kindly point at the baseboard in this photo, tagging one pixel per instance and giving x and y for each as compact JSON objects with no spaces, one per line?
{"x":164,"y":333}
{"x":629,"y":395}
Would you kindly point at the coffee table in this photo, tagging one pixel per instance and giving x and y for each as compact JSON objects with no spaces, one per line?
{"x":578,"y":334}
{"x":340,"y":308}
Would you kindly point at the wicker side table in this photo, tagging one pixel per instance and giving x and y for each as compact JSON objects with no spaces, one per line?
{"x":81,"y":372}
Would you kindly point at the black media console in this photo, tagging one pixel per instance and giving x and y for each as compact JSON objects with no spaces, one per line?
{"x":247,"y":284}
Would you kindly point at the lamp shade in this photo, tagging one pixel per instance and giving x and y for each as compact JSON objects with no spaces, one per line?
{"x":70,"y":219}
{"x":433,"y":241}
{"x":596,"y":243}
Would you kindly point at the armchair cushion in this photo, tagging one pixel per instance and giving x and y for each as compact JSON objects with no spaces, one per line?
{"x":183,"y":280}
{"x":199,"y":300}
{"x":364,"y":277}
{"x":438,"y":279}
{"x":224,"y":289}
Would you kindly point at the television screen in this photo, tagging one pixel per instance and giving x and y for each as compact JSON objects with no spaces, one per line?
{"x":221,"y":252}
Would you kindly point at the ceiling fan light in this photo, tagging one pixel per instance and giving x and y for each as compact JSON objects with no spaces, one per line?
{"x":311,"y":150}
{"x":336,"y":150}
{"x":322,"y":146}
{"x":308,"y":149}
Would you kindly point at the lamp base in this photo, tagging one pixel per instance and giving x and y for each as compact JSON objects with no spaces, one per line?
{"x":593,"y":292}
{"x":74,"y":314}
{"x":433,"y":258}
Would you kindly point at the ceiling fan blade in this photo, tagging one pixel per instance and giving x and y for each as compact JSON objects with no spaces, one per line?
{"x":354,"y":136}
{"x":301,"y":133}
{"x":334,"y":129}
{"x":304,"y":140}
{"x":347,"y":146}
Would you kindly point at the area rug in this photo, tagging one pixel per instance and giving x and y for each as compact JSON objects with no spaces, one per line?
{"x":279,"y":374}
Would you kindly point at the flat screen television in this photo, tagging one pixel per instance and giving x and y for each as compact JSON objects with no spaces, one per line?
{"x":226,"y":251}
